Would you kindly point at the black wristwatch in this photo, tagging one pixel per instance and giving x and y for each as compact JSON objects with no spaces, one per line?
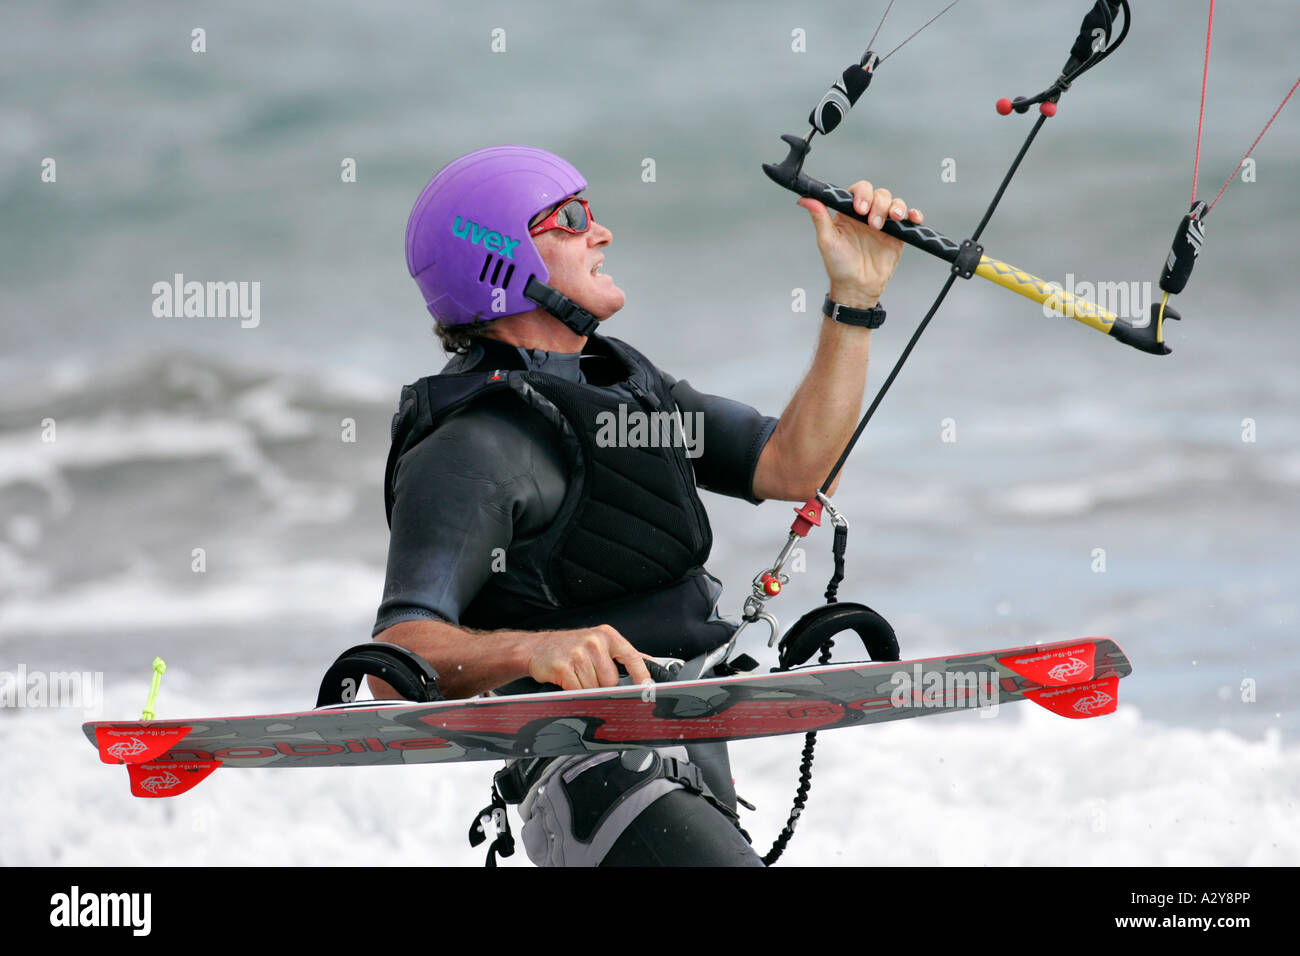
{"x":872,"y":318}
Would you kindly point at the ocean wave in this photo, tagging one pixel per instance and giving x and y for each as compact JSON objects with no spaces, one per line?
{"x":1023,"y":790}
{"x":305,"y":591}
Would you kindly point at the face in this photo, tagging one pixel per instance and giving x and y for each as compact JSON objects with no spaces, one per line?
{"x":575,"y":263}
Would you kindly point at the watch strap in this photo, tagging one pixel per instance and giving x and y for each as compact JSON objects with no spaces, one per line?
{"x":872,"y":318}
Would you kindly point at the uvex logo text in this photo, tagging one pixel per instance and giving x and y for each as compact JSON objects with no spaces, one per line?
{"x":477,"y":235}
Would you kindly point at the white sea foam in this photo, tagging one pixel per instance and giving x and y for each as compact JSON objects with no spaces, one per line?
{"x":1025,"y":788}
{"x":134,"y":599}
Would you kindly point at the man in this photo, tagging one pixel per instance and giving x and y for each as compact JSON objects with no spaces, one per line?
{"x":528,"y":549}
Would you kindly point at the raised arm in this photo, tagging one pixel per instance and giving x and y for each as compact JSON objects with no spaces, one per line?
{"x":821,"y":416}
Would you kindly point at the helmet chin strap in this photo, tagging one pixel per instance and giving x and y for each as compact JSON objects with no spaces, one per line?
{"x":561,"y":306}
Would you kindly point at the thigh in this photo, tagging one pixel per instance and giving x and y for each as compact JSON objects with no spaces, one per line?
{"x":681,"y":829}
{"x":634,"y":808}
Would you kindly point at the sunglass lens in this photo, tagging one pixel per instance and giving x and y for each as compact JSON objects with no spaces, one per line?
{"x":573,"y":216}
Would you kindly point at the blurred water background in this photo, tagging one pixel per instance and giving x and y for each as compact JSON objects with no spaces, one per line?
{"x":182,"y":433}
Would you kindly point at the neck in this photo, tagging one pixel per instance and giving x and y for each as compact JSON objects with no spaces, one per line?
{"x":536,"y":330}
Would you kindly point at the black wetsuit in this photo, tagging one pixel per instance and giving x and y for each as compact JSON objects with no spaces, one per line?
{"x":491,"y":478}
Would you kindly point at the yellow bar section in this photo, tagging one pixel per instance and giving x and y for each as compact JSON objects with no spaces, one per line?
{"x":1052,"y":296}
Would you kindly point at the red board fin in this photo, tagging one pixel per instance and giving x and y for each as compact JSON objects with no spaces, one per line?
{"x":136,"y":744}
{"x":1090,"y":699}
{"x":168,"y":779}
{"x":1057,"y":667}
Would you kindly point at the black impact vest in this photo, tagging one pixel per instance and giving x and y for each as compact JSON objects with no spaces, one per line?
{"x":629,"y":541}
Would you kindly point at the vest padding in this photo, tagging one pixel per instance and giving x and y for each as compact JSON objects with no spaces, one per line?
{"x":631,"y":521}
{"x":637,"y":523}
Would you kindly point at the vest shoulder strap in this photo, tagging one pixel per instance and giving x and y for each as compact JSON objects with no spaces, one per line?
{"x":424,"y":404}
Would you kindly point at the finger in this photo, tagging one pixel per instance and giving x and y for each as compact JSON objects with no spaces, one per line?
{"x":585,"y":671}
{"x":817,"y":211}
{"x":604,"y":669}
{"x":916,"y":216}
{"x":821,"y":219}
{"x":812,"y":205}
{"x":898,"y":209}
{"x":621,"y":650}
{"x":880,"y":203}
{"x":634,"y":661}
{"x":862,"y":196}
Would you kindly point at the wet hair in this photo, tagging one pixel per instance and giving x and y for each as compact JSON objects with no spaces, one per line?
{"x":459,"y":339}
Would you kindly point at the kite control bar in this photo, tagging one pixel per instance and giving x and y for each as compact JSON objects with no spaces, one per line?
{"x":967,"y":257}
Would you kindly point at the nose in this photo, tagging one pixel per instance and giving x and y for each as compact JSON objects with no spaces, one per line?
{"x":598,"y":235}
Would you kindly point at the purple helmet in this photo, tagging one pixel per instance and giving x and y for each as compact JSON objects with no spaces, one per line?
{"x":467,"y":242}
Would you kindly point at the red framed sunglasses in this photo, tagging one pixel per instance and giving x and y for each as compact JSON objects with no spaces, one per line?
{"x":572,"y":216}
